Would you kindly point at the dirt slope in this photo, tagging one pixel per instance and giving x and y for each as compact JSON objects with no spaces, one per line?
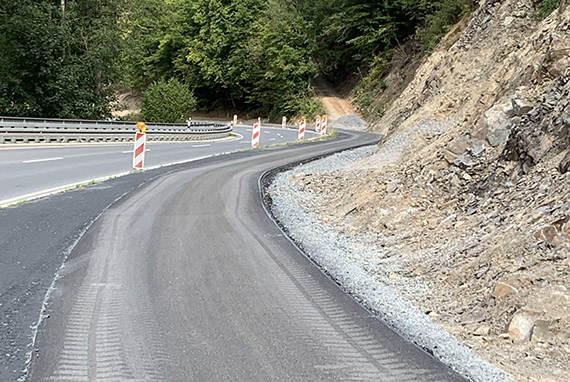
{"x":471,"y":187}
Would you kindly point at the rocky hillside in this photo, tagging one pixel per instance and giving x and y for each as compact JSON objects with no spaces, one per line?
{"x":471,"y":189}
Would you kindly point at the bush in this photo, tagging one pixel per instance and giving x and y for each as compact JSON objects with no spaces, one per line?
{"x":437,"y":23}
{"x":168,"y":101}
{"x":547,"y":7}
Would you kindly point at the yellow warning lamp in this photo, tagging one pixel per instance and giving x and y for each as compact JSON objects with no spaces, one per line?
{"x":303,"y":118}
{"x":141,"y":127}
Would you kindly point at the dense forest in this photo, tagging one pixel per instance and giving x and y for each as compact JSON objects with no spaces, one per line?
{"x":67,"y":58}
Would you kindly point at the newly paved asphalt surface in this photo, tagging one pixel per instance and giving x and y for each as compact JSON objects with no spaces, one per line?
{"x":27,"y":170}
{"x":184,"y":278}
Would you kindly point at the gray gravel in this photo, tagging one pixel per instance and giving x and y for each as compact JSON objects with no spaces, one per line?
{"x":351,"y":122}
{"x":362,"y":264}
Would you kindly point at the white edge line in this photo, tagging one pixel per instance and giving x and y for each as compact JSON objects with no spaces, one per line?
{"x":41,"y":160}
{"x":56,"y":190}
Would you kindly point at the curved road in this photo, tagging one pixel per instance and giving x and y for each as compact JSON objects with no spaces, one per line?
{"x":43,"y":168}
{"x":187,"y":279}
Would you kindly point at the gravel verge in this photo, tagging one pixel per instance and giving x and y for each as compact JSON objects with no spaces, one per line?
{"x":350,"y":261}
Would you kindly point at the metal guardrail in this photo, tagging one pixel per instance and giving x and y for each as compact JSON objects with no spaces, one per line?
{"x":37,"y":130}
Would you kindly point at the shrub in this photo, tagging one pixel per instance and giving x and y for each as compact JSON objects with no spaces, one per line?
{"x":546,"y":8}
{"x":440,"y":21}
{"x":168,"y":101}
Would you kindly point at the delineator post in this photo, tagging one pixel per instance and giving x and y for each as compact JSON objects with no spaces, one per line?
{"x":302,"y":127}
{"x":139,"y":149}
{"x":256,"y":133}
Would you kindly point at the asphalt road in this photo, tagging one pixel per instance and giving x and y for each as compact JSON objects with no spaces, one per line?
{"x":40,"y":168}
{"x":185,"y":278}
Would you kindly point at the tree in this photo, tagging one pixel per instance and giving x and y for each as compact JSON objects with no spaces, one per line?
{"x":59,"y":64}
{"x":168,"y":101}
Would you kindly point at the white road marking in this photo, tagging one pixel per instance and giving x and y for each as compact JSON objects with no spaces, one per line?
{"x":245,"y":143}
{"x":267,"y":132}
{"x":131,"y":151}
{"x":271,"y":139}
{"x":42,"y":160}
{"x":201,"y":145}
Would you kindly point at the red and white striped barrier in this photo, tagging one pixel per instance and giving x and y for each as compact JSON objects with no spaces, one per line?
{"x":324,"y":125}
{"x":140,"y":143}
{"x":318,"y":124}
{"x":256,"y":133}
{"x":302,"y":127}
{"x":284,"y":122}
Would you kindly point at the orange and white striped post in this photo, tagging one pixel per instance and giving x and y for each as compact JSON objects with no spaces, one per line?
{"x":284,"y":122}
{"x":318,"y":124}
{"x":140,"y":143}
{"x":302,"y":127}
{"x":256,"y":133}
{"x":324,"y":125}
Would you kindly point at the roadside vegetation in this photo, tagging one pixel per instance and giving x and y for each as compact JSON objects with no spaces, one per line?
{"x":65,"y":58}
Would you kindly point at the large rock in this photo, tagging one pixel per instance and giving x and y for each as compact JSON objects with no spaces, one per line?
{"x":499,"y":135}
{"x":521,"y":325}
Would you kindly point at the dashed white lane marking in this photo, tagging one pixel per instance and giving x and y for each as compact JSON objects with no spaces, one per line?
{"x":267,"y":132}
{"x":42,"y":160}
{"x":245,"y":143}
{"x":271,"y":139}
{"x":208,"y":145}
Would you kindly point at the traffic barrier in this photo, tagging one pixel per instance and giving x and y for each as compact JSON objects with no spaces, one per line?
{"x":37,"y":130}
{"x":140,"y":143}
{"x":256,"y":133}
{"x":324,"y":125}
{"x":284,"y":122}
{"x":318,"y":124}
{"x":302,"y":127}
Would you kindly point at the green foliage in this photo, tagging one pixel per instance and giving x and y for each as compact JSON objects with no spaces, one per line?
{"x":256,"y":55}
{"x":58,"y":62}
{"x":440,"y":17}
{"x":547,"y":7}
{"x":167,"y":101}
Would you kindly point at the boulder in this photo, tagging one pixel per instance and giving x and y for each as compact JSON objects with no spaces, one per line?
{"x":522,"y":324}
{"x":499,"y":135}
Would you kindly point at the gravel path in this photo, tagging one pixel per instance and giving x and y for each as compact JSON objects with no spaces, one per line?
{"x":363,"y":271}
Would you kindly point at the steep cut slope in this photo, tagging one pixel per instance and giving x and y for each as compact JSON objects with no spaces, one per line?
{"x":471,"y":189}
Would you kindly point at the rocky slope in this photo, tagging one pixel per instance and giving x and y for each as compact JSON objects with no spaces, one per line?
{"x":467,"y":198}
